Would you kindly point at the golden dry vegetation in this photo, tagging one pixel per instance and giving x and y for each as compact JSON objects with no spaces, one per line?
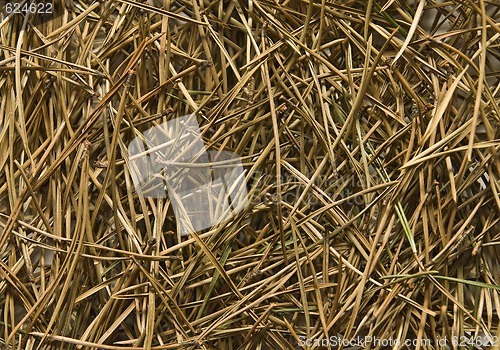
{"x":369,"y":133}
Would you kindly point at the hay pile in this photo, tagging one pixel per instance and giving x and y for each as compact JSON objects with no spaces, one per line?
{"x":369,"y":136}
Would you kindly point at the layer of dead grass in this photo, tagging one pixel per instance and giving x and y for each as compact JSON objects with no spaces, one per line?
{"x":369,"y":134}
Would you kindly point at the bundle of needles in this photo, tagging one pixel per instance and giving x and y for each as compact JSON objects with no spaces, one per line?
{"x":369,"y":136}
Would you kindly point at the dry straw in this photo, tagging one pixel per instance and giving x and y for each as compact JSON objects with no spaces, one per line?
{"x":369,"y":132}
